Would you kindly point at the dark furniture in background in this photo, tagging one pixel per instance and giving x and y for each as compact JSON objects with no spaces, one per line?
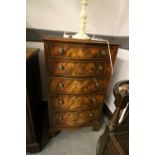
{"x":34,"y":110}
{"x":78,"y":73}
{"x":115,"y":139}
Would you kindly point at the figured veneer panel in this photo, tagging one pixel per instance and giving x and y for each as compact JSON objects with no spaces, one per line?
{"x":79,"y":68}
{"x":76,"y":102}
{"x":77,"y":86}
{"x":78,"y":51}
{"x":75,"y":118}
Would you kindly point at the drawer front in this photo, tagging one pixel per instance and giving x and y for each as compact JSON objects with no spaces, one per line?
{"x":78,"y":51}
{"x":77,"y":86}
{"x":74,"y":118}
{"x":76,"y":102}
{"x":79,"y":68}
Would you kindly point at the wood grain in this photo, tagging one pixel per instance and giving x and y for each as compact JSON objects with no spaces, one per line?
{"x":79,"y":68}
{"x":78,"y":51}
{"x":74,"y":118}
{"x":78,"y":73}
{"x":76,"y":102}
{"x":77,"y":86}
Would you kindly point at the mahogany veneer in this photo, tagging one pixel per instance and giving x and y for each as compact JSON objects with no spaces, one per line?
{"x":78,"y":73}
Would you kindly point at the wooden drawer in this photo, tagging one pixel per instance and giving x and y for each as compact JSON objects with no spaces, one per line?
{"x":78,"y":86}
{"x":79,"y":68}
{"x":74,"y":118}
{"x":76,"y":102}
{"x":78,"y":51}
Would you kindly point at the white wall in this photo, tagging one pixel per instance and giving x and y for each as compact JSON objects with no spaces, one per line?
{"x":108,"y":17}
{"x":121,"y":72}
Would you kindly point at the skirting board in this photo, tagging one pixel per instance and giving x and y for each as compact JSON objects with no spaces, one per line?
{"x":36,"y":35}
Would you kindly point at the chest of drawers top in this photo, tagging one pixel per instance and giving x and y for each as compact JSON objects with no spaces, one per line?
{"x":72,"y":40}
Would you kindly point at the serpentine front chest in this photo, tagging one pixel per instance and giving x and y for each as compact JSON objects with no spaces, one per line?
{"x":78,"y":73}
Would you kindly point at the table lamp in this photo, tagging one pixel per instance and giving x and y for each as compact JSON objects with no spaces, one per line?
{"x":83,"y":17}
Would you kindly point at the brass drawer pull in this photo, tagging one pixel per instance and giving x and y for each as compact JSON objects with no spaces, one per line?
{"x":61,"y":102}
{"x":61,"y":118}
{"x":91,"y":114}
{"x":61,"y":85}
{"x":97,"y":84}
{"x":61,"y":51}
{"x":94,"y":100}
{"x":100,"y":67}
{"x":61,"y":67}
{"x":103,"y":52}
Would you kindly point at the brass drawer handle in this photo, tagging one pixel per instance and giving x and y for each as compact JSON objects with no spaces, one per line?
{"x":97,"y":84}
{"x":100,"y":67}
{"x":103,"y":52}
{"x":61,"y":102}
{"x":61,"y":85}
{"x":61,"y":118}
{"x":61,"y":67}
{"x":91,"y":114}
{"x":94,"y":100}
{"x":61,"y":51}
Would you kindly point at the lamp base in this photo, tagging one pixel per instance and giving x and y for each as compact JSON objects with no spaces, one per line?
{"x":81,"y":36}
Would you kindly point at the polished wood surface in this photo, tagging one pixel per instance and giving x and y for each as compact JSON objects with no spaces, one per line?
{"x":78,"y":86}
{"x":80,"y":68}
{"x":74,"y":118}
{"x":76,"y":102}
{"x":78,"y":74}
{"x":73,"y":41}
{"x":78,"y":51}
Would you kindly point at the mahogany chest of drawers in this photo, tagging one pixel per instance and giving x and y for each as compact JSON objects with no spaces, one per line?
{"x":78,"y":76}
